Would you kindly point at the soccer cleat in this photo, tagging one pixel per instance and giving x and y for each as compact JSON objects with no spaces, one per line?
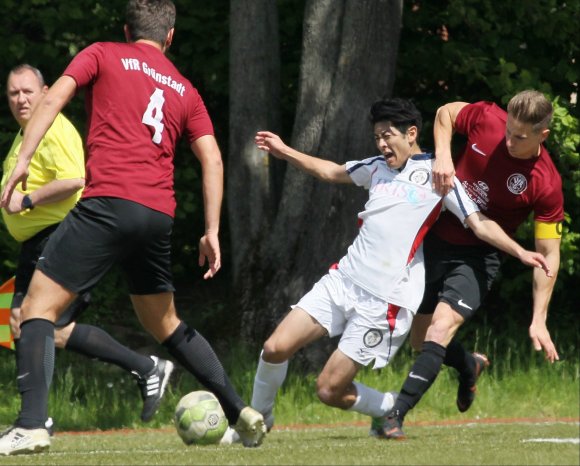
{"x":231,"y":436}
{"x":251,"y":427}
{"x":153,"y":386}
{"x":18,"y":440}
{"x":392,"y":427}
{"x":377,"y":427}
{"x":49,"y":425}
{"x":466,"y":390}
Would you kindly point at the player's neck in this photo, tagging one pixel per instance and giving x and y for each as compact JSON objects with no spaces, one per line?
{"x":157,"y":45}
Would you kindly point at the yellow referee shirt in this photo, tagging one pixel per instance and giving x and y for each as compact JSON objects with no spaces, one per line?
{"x":59,"y":156}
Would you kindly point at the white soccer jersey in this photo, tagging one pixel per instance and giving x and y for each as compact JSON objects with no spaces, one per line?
{"x":386,"y":258}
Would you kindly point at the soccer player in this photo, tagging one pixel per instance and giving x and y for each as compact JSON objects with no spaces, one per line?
{"x":507,"y":171}
{"x":55,"y":182}
{"x":138,"y":106}
{"x":371,"y":296}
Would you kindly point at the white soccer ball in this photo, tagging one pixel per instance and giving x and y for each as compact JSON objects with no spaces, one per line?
{"x":200,"y":419}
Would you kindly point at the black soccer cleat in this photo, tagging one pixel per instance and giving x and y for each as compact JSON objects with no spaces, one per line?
{"x":392,"y":427}
{"x":466,"y":390}
{"x":153,"y":386}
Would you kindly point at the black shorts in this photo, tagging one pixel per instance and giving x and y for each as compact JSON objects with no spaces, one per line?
{"x":460,"y":276}
{"x":30,"y":251}
{"x":101,"y":231}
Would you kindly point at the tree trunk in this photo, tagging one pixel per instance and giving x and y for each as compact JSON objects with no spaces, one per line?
{"x":348,"y":60}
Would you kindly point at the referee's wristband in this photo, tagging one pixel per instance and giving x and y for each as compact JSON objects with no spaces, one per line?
{"x":548,"y":230}
{"x":27,"y":203}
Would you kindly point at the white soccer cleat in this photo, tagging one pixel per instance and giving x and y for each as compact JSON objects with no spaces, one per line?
{"x":231,"y":436}
{"x":17,"y":441}
{"x":251,"y":427}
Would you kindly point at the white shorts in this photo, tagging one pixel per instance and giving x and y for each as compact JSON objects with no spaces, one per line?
{"x":371,"y":328}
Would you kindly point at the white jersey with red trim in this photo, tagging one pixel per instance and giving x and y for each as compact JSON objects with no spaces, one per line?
{"x":386,"y":257}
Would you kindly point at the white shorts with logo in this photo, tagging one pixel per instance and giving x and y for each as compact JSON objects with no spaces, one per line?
{"x":371,"y":328}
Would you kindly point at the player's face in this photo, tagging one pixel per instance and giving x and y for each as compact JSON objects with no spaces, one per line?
{"x":521,"y":140}
{"x":394,"y":145}
{"x":24,"y":93}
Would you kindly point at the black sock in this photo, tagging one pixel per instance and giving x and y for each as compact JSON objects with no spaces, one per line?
{"x":16,"y":343}
{"x":94,"y":342}
{"x":35,"y":368}
{"x":457,"y":357}
{"x":422,"y":375}
{"x":194,"y":353}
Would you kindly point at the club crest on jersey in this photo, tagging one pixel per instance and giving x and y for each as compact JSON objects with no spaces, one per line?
{"x":372,"y":338}
{"x":517,"y":183}
{"x":419,"y":176}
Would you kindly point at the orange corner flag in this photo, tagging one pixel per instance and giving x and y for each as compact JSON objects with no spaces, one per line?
{"x":6,"y":293}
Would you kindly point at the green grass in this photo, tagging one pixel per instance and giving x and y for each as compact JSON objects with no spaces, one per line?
{"x":434,"y":444}
{"x":89,"y":395}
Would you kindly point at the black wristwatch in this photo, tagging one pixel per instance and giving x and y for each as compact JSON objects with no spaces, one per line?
{"x":27,"y":203}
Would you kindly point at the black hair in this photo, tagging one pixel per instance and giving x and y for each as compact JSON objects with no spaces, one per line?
{"x":150,"y":19}
{"x":402,"y":113}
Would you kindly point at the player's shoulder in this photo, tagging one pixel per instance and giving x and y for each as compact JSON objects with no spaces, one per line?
{"x":483,"y":110}
{"x":374,"y":161}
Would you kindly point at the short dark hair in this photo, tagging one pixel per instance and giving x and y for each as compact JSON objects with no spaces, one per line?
{"x":150,"y":19}
{"x":402,"y":113}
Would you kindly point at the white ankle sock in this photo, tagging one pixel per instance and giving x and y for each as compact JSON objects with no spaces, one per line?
{"x":372,"y":402}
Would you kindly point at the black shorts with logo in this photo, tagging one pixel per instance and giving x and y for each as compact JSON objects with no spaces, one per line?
{"x":30,"y":251}
{"x":458,"y":275}
{"x":101,"y":231}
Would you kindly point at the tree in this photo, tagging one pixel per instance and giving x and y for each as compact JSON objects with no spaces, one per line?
{"x":286,"y":234}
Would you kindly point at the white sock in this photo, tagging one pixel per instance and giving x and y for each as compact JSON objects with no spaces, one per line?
{"x":269,"y":378}
{"x":372,"y":402}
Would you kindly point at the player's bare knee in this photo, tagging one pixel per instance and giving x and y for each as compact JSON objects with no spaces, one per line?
{"x":329,"y":394}
{"x":273,"y":352}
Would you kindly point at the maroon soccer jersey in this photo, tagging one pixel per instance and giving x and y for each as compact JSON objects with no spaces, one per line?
{"x":138,"y":107}
{"x":506,"y":189}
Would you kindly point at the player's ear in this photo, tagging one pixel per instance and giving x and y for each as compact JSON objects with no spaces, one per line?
{"x":127,"y":33}
{"x":412,"y":132}
{"x":169,"y":39}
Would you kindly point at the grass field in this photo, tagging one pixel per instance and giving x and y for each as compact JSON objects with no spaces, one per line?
{"x":521,"y":442}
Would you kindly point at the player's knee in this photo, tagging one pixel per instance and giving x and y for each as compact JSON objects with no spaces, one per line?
{"x":275,"y":353}
{"x":328,"y":394}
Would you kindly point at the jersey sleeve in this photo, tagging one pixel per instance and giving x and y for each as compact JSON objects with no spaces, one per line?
{"x":361,"y":171}
{"x":469,"y":116}
{"x":84,"y":66}
{"x":198,"y":122}
{"x":550,"y":206}
{"x":62,"y":152}
{"x":459,"y":203}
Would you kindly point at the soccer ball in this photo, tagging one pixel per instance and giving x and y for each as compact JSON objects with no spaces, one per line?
{"x":200,"y":419}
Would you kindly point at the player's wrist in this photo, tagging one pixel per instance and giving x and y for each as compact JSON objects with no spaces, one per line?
{"x":26,"y":203}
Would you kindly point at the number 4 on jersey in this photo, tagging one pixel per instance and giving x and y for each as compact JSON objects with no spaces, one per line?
{"x":153,"y":116}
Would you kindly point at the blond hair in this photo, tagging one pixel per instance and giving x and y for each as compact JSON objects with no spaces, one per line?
{"x":531,"y":107}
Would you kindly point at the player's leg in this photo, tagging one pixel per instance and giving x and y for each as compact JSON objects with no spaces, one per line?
{"x":421,"y":323}
{"x":296,"y":330}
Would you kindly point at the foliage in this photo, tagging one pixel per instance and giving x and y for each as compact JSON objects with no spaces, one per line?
{"x":470,"y":50}
{"x":449,"y":50}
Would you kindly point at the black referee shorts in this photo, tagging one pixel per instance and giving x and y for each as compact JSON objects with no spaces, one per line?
{"x":101,"y":231}
{"x":458,"y":275}
{"x":30,"y":251}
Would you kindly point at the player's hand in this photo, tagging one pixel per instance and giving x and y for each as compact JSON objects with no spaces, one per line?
{"x":15,"y":203}
{"x":443,"y":174}
{"x":542,"y":341}
{"x":270,"y":142}
{"x":19,"y":175}
{"x":209,"y":248}
{"x":535,"y":259}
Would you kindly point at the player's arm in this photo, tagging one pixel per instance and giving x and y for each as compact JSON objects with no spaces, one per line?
{"x":208,"y":153}
{"x":55,"y":191}
{"x":53,"y":102}
{"x":325,"y":170}
{"x":443,"y":128}
{"x":490,"y":232}
{"x":548,"y":243}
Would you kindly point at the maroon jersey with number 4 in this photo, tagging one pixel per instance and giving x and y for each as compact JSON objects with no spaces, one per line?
{"x":506,"y":189}
{"x":138,"y":107}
